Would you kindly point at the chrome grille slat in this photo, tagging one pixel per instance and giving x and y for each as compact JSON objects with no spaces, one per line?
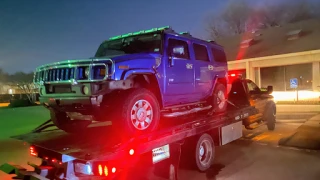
{"x":69,"y":73}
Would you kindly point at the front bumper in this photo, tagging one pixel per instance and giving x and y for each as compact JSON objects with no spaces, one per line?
{"x":86,"y":105}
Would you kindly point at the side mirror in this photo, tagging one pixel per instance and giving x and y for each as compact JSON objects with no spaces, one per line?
{"x":176,"y":52}
{"x":270,"y":89}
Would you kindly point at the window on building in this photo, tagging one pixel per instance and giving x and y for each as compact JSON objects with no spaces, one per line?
{"x":201,"y":52}
{"x":279,"y":77}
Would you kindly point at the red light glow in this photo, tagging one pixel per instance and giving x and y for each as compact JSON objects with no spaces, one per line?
{"x":106,"y":171}
{"x":53,"y":160}
{"x":32,"y":151}
{"x":233,"y":75}
{"x":100,"y":169}
{"x":113,"y":170}
{"x":131,"y":152}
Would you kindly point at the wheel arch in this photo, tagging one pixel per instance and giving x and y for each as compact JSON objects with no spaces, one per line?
{"x":149,"y":81}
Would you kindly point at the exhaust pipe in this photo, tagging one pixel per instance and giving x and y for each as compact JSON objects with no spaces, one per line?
{"x":176,"y":114}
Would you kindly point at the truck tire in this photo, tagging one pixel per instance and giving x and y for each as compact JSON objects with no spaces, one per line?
{"x":204,"y":152}
{"x":270,"y":116}
{"x":139,"y":112}
{"x":63,"y":122}
{"x":219,"y":96}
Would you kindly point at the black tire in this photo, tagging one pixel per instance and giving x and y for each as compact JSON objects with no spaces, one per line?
{"x":134,"y":126}
{"x":63,"y":122}
{"x":270,"y":116}
{"x":219,"y":106}
{"x":208,"y":149}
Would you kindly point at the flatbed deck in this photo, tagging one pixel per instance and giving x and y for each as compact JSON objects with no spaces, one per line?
{"x":101,"y":142}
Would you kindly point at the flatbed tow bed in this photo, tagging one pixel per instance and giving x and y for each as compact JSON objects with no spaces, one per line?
{"x":103,"y":153}
{"x":100,"y":146}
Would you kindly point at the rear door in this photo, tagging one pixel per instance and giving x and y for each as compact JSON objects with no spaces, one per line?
{"x":204,"y":70}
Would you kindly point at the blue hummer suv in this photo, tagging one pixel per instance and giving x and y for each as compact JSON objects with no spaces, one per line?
{"x":135,"y":79}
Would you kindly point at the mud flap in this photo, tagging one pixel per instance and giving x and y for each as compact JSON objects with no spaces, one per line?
{"x":168,"y":168}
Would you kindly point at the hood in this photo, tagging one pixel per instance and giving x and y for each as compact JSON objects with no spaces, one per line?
{"x":115,"y":58}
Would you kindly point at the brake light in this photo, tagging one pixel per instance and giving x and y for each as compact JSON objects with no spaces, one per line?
{"x":233,"y":75}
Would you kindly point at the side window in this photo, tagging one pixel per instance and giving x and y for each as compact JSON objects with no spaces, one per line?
{"x":219,"y":55}
{"x":178,"y":49}
{"x":253,"y":88}
{"x":201,"y":52}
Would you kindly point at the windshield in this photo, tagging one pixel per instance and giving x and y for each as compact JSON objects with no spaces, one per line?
{"x":150,"y":43}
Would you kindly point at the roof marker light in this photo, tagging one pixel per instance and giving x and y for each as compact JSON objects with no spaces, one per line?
{"x":140,"y":32}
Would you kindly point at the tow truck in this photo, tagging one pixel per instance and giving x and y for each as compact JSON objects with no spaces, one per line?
{"x":102,"y":153}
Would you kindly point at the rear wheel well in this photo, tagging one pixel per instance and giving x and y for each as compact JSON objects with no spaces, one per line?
{"x":222,"y":81}
{"x":148,"y":81}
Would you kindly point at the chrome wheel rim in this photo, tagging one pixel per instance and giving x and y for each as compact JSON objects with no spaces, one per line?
{"x":141,"y":114}
{"x":205,"y":153}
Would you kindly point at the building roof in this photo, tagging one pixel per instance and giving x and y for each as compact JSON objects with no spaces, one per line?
{"x":290,"y":38}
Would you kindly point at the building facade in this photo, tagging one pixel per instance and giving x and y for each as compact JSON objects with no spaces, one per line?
{"x":276,"y":55}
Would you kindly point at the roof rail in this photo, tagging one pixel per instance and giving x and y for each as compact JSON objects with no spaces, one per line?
{"x":142,"y":32}
{"x":186,"y":33}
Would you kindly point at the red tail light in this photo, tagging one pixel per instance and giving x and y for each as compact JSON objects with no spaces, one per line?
{"x":103,"y":169}
{"x":33,"y":151}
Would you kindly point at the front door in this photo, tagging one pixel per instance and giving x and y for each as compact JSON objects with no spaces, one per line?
{"x":179,"y":77}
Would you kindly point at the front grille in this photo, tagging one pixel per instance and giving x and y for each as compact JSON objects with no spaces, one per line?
{"x":73,"y":73}
{"x":58,"y":74}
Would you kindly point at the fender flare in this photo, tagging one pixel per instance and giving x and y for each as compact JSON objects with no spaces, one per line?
{"x":127,"y":74}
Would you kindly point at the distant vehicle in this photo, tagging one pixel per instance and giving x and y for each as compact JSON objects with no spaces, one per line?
{"x":134,"y":79}
{"x":258,"y":98}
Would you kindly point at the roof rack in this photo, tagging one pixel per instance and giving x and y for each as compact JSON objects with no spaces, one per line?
{"x":142,"y":32}
{"x":186,"y":33}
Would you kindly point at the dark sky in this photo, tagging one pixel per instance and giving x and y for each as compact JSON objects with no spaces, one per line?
{"x":34,"y":32}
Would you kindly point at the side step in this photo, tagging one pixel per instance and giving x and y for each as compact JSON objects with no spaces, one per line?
{"x":194,"y":110}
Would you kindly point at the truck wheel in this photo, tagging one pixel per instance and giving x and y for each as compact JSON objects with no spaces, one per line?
{"x":63,"y":122}
{"x":270,"y":117}
{"x":140,"y":112}
{"x":219,"y":97}
{"x":204,"y":152}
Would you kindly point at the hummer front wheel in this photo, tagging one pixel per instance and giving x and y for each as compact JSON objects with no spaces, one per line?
{"x":140,"y":112}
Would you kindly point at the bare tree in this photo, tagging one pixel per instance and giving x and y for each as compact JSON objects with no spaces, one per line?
{"x":30,"y":89}
{"x":239,"y":16}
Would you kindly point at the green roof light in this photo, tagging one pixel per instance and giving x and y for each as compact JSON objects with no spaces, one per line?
{"x":140,"y":32}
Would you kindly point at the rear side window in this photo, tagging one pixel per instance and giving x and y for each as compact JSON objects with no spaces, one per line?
{"x":201,"y":52}
{"x":219,"y":55}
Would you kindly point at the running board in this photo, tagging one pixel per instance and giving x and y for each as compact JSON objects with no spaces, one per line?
{"x":194,"y":110}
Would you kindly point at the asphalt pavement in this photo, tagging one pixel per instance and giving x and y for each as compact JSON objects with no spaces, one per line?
{"x":257,"y":155}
